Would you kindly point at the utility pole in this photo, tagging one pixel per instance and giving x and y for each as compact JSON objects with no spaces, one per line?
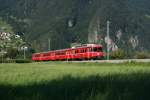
{"x":25,"y":48}
{"x":49,"y":44}
{"x":108,"y":37}
{"x":24,"y":53}
{"x":98,"y":30}
{"x":25,"y":8}
{"x":2,"y":57}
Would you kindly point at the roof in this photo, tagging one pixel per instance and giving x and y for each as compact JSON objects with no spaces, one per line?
{"x":78,"y":47}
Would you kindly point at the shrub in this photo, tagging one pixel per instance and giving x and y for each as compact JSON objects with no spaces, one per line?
{"x":119,"y":54}
{"x":141,"y":55}
{"x":15,"y":61}
{"x":12,"y":53}
{"x":7,"y":61}
{"x":23,"y":61}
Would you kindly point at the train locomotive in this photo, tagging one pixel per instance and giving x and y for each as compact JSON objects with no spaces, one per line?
{"x":83,"y":52}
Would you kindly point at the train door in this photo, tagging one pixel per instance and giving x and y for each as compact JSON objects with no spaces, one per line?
{"x":52,"y":57}
{"x":67,"y":55}
{"x":73,"y":54}
{"x":88,"y":52}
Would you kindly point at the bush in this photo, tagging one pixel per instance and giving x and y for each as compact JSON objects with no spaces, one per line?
{"x":12,"y":53}
{"x":15,"y":61}
{"x":119,"y":54}
{"x":23,"y":61}
{"x":7,"y":61}
{"x":141,"y":55}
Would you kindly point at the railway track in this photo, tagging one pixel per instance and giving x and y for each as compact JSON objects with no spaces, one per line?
{"x":115,"y":61}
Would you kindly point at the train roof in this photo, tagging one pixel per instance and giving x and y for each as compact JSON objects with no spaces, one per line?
{"x":76,"y":47}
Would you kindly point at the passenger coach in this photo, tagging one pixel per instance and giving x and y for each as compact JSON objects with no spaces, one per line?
{"x":84,"y":52}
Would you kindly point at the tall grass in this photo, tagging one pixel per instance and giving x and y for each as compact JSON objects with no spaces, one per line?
{"x":75,"y":81}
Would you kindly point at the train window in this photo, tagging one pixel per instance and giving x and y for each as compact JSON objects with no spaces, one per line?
{"x":46,"y":54}
{"x":57,"y":53}
{"x":87,"y":49}
{"x":79,"y":51}
{"x":76,"y":51}
{"x":97,"y":49}
{"x":52,"y":54}
{"x":73,"y":51}
{"x":82,"y":51}
{"x":60,"y":53}
{"x":90,"y":49}
{"x":68,"y":52}
{"x":38,"y":55}
{"x":63,"y":53}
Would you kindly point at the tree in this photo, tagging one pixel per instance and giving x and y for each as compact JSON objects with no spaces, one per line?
{"x":9,"y":42}
{"x":119,"y":54}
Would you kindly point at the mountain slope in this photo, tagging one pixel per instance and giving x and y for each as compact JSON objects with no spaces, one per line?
{"x":68,"y":21}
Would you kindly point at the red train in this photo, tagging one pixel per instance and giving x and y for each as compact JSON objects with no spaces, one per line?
{"x":84,"y":52}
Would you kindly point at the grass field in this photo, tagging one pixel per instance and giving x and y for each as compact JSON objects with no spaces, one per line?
{"x":75,"y":81}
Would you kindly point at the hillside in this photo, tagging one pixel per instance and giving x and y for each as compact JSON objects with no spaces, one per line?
{"x":83,"y":21}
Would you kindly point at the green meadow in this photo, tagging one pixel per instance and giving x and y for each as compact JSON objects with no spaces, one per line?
{"x":75,"y":81}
